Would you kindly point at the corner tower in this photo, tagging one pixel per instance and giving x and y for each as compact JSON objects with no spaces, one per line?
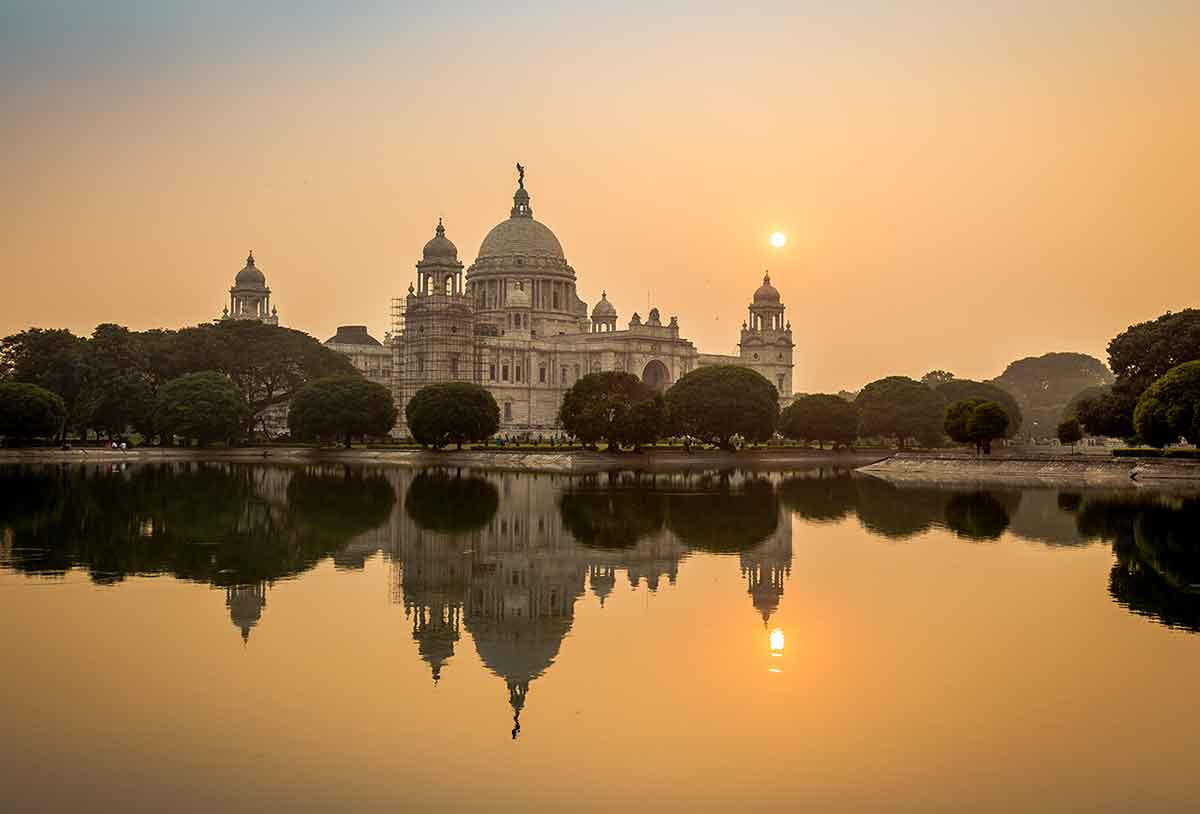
{"x":766,"y":341}
{"x":249,"y":298}
{"x":438,"y":342}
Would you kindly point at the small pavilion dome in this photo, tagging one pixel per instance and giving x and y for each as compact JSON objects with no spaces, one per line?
{"x":250,"y":276}
{"x":604,"y":308}
{"x":440,"y":247}
{"x":766,"y":292}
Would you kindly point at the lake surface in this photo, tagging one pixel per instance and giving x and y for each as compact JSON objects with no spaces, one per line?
{"x":200,"y":636}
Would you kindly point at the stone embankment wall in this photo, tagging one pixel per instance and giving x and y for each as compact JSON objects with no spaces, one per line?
{"x":1084,"y":470}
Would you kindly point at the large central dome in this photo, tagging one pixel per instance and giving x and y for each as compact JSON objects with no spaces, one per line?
{"x":521,"y":235}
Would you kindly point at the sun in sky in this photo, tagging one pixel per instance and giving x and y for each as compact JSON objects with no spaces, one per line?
{"x":778,"y":239}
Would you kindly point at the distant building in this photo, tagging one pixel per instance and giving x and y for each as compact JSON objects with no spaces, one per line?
{"x":369,"y":356}
{"x":514,"y":323}
{"x":250,"y":298}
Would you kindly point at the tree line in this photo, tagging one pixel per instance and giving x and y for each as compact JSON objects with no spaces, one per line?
{"x":207,"y":383}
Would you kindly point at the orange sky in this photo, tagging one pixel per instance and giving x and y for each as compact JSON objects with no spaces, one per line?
{"x":961,"y":188}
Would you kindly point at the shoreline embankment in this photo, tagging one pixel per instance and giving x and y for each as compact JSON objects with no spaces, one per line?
{"x":1051,"y":470}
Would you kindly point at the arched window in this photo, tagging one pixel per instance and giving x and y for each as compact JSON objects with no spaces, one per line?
{"x":449,"y":285}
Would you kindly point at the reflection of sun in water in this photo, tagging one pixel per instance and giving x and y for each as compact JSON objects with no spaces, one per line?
{"x":778,"y":239}
{"x":776,"y":643}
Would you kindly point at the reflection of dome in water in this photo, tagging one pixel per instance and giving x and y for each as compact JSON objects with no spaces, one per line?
{"x":602,"y":579}
{"x":246,"y":603}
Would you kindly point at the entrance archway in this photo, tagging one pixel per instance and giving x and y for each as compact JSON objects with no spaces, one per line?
{"x":656,"y":376}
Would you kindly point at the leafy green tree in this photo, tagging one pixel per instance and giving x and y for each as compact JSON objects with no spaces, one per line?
{"x":203,"y":406}
{"x":955,"y":422}
{"x":119,"y":391}
{"x":28,"y":411}
{"x":716,"y":403}
{"x":613,"y":406}
{"x":820,"y":418}
{"x":988,"y":422}
{"x":973,"y":421}
{"x":959,"y":389}
{"x":54,"y":360}
{"x":452,"y":413}
{"x":901,"y":408}
{"x":1044,"y":385}
{"x":1070,"y":432}
{"x":1109,"y":413}
{"x":268,"y":364}
{"x":341,"y":407}
{"x":1169,"y":409}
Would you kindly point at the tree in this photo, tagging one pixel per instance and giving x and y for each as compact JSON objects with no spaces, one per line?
{"x":901,"y":408}
{"x":268,"y":364}
{"x":452,"y":413}
{"x":53,"y":360}
{"x":28,"y":411}
{"x":613,"y":406}
{"x":1109,"y":413}
{"x":203,"y":406}
{"x":960,"y":389}
{"x":1044,"y":385}
{"x":718,"y":402}
{"x":341,"y":407}
{"x":119,"y":389}
{"x":974,"y":421}
{"x":1070,"y":432}
{"x":1139,"y":356}
{"x":956,"y":418}
{"x":820,"y":418}
{"x":935,"y":377}
{"x":1170,"y":408}
{"x":988,"y":422}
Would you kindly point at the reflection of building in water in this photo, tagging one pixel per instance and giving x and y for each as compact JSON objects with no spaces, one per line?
{"x":765,"y":568}
{"x":246,"y":603}
{"x":513,"y":582}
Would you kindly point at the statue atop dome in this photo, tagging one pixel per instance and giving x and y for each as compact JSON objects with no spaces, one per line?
{"x":520,"y":176}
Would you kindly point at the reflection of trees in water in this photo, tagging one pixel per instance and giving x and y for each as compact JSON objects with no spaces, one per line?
{"x":821,"y":495}
{"x":981,"y":515}
{"x":612,"y":515}
{"x":217,"y":523}
{"x":727,"y":519}
{"x":438,"y":500}
{"x":899,"y":513}
{"x":1156,"y":541}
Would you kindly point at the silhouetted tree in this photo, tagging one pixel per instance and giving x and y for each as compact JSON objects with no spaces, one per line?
{"x":615,"y":407}
{"x":820,"y":418}
{"x":960,"y":389}
{"x":54,"y":360}
{"x":935,"y":377}
{"x":452,"y":413}
{"x":450,"y":502}
{"x":202,"y":406}
{"x":717,"y":402}
{"x":901,"y":408}
{"x":1069,"y":431}
{"x":341,"y":407}
{"x":28,"y":411}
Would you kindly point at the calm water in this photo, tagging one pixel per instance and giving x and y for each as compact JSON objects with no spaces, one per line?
{"x":188,"y":637}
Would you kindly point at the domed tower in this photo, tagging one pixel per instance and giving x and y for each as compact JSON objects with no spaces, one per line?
{"x":438,"y":344}
{"x":246,"y":603}
{"x":250,"y":298}
{"x":522,"y":249}
{"x":604,"y":315}
{"x":766,"y":343}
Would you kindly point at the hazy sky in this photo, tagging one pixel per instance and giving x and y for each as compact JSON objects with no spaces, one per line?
{"x":962,"y":187}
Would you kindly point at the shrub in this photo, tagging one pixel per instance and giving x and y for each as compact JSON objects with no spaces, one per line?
{"x":452,"y":413}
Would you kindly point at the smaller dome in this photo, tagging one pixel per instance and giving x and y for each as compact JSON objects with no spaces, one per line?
{"x":766,"y":292}
{"x":604,"y":308}
{"x":250,"y":276}
{"x":440,"y":248}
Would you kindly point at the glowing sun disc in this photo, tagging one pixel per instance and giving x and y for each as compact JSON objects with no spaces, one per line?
{"x":778,"y":239}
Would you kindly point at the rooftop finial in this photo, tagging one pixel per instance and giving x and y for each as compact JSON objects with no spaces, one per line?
{"x":766,"y":278}
{"x":250,"y":258}
{"x":520,"y":176}
{"x":441,"y":230}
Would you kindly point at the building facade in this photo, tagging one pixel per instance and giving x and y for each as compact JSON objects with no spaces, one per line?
{"x":369,"y":356}
{"x":513,"y":322}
